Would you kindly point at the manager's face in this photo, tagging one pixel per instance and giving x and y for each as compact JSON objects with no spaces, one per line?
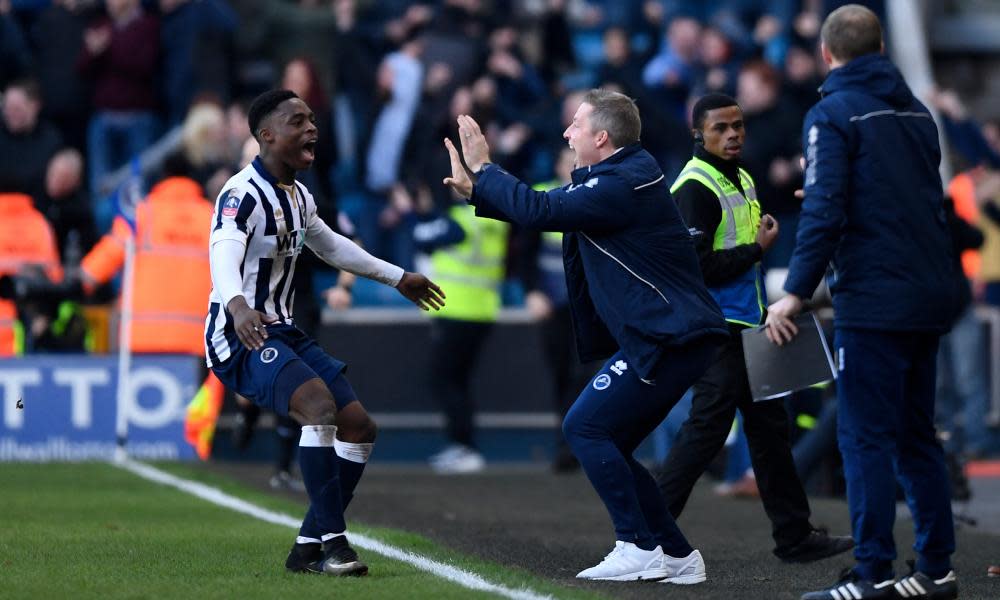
{"x":582,"y":139}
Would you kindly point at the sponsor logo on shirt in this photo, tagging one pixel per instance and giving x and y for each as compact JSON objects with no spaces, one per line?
{"x":619,"y":367}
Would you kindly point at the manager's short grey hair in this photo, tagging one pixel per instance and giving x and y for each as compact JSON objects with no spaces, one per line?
{"x":615,"y":113}
{"x":852,"y":31}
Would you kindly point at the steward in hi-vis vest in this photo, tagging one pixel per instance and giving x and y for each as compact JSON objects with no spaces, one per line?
{"x":719,"y":204}
{"x":468,"y":256}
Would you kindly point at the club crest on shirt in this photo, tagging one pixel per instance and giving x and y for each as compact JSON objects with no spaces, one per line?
{"x":602,"y":381}
{"x":232,"y":204}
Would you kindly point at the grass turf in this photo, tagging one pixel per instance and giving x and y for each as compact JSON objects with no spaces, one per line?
{"x":88,"y":530}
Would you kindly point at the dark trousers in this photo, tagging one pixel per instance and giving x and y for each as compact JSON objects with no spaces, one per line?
{"x":568,"y":374}
{"x":720,"y":391}
{"x":560,"y":353}
{"x":885,"y":429}
{"x":609,"y":420}
{"x":455,"y":346}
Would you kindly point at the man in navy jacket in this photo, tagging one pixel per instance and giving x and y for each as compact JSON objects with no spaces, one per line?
{"x":636,"y":295}
{"x":873,"y":209}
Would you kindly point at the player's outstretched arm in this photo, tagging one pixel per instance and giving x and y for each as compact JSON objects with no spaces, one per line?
{"x":340,"y":252}
{"x":421,"y":291}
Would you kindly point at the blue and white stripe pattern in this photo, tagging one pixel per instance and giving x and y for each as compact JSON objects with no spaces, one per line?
{"x":273,"y":220}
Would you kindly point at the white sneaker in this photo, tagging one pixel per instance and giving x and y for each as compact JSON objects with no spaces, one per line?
{"x":684,"y":571}
{"x":628,"y":562}
{"x":449,"y":453}
{"x":458,"y":460}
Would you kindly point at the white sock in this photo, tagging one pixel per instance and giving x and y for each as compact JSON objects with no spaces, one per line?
{"x":358,"y":453}
{"x":318,"y":436}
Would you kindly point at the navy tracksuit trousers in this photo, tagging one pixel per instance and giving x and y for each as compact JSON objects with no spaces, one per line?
{"x":608,"y":421}
{"x":885,"y":430}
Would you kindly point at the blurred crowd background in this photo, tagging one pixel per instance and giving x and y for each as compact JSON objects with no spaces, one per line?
{"x":89,"y":86}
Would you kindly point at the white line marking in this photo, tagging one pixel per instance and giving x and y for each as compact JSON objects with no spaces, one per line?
{"x":220,"y":498}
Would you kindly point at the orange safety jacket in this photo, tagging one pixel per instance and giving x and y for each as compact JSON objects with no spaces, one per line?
{"x":26,"y":238}
{"x":963,"y":193}
{"x":172,"y":275}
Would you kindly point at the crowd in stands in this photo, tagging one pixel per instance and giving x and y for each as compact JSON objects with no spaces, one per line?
{"x":125,"y":79}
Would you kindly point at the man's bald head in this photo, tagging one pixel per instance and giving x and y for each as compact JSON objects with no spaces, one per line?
{"x":852,"y":31}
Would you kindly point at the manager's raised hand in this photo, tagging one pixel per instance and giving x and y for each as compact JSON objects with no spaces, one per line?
{"x":459,"y":180}
{"x":474,"y":147}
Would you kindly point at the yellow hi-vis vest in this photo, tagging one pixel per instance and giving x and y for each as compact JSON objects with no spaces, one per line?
{"x":471,"y":271}
{"x":741,"y":300}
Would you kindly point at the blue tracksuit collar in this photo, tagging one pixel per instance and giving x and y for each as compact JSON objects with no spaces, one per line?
{"x":581,"y":174}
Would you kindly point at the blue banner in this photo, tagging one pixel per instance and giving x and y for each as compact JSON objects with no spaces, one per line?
{"x":62,"y":407}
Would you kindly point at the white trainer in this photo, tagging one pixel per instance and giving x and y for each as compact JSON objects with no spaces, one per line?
{"x":457,"y":460}
{"x":628,"y":562}
{"x":684,"y":571}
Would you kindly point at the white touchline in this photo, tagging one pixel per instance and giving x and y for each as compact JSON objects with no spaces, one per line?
{"x":216,"y":496}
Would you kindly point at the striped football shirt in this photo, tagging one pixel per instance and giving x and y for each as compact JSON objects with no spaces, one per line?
{"x":274,"y":221}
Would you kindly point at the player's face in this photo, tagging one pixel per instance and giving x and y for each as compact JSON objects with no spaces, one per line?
{"x":581,"y":138}
{"x":724,"y":133}
{"x":293,"y":126}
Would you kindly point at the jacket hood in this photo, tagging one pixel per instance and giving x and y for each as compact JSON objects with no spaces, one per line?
{"x":873,"y":74}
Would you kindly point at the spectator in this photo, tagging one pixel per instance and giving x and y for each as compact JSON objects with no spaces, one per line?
{"x":56,"y":40}
{"x":771,"y":152}
{"x":15,"y":57}
{"x":120,"y":56}
{"x":301,"y":77}
{"x":619,"y":67}
{"x":27,"y":142}
{"x":205,"y":147}
{"x":671,"y":74}
{"x":66,"y":205}
{"x":802,"y":79}
{"x":717,"y":57}
{"x":962,"y":385}
{"x":197,"y":46}
{"x":400,"y":81}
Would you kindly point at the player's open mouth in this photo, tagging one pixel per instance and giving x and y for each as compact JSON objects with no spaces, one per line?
{"x":309,"y":149}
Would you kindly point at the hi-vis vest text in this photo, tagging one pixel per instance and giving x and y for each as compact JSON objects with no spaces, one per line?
{"x":741,"y":300}
{"x":471,"y":271}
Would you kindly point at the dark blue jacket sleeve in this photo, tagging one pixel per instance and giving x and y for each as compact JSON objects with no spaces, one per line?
{"x":435,"y":231}
{"x":825,"y":206}
{"x":600,"y":203}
